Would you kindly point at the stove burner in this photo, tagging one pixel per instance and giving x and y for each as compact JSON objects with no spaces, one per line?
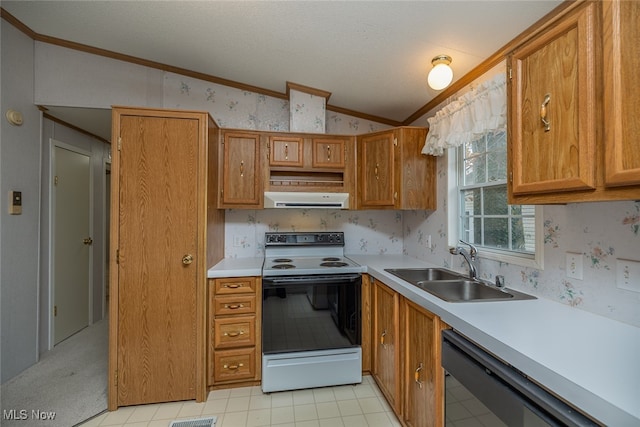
{"x":333,"y":264}
{"x":283,"y":266}
{"x":281,"y":260}
{"x":331,"y":258}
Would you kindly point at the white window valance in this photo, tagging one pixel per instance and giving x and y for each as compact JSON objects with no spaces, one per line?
{"x":477,"y":112}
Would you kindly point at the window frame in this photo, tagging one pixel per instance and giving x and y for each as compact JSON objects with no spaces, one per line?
{"x":535,"y":260}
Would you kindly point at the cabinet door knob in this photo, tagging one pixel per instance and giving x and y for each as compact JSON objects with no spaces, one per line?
{"x":384,"y":334}
{"x":543,"y":112}
{"x":88,"y":241}
{"x":187,"y":259}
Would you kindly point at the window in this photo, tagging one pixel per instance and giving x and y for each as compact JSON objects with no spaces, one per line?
{"x":484,"y":216}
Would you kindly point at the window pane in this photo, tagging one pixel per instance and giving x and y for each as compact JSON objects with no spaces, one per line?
{"x":471,"y":203}
{"x":477,"y":232}
{"x":524,"y":234}
{"x":495,"y":200}
{"x":475,"y":170}
{"x":496,"y":232}
{"x":497,"y":156}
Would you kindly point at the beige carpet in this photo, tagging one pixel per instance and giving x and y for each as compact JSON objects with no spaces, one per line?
{"x":69,"y":383}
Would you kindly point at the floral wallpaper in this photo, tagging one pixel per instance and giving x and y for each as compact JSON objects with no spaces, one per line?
{"x":239,"y":109}
{"x":601,"y":232}
{"x":375,"y":232}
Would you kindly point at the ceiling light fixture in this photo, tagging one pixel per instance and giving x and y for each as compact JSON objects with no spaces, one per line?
{"x":441,"y":74}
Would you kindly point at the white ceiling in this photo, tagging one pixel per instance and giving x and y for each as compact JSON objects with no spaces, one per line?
{"x":373,"y":57}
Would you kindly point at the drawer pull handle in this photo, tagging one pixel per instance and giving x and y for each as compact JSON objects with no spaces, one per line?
{"x":416,"y":375}
{"x":242,"y":168}
{"x":233,"y":306}
{"x":375,"y":171}
{"x":328,"y":153}
{"x":233,"y":367}
{"x":286,"y":151}
{"x":233,"y":285}
{"x":233,"y":334}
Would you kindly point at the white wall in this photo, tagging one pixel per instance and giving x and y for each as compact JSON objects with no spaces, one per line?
{"x":19,"y":170}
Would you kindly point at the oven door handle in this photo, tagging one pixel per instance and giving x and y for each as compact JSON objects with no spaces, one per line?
{"x":342,"y":279}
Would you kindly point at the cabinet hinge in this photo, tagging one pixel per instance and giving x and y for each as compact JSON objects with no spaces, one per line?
{"x":115,"y":377}
{"x":55,"y":310}
{"x":117,"y":256}
{"x":55,"y":180}
{"x":395,"y":141}
{"x":510,"y":176}
{"x":119,"y":143}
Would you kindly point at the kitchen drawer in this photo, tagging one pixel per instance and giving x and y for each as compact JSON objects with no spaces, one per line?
{"x":235,"y":285}
{"x":237,"y":331}
{"x":234,"y":365}
{"x":237,"y":304}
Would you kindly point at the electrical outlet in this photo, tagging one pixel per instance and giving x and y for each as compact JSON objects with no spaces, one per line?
{"x":237,"y":241}
{"x":574,"y":265}
{"x":628,"y":274}
{"x":429,"y":241}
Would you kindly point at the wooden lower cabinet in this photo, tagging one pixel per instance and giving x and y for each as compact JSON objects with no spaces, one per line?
{"x":423,"y":376}
{"x":406,"y":365}
{"x":234,"y":331}
{"x":385,"y":343}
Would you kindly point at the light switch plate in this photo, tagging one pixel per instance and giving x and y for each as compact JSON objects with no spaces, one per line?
{"x":628,"y":274}
{"x":574,"y":265}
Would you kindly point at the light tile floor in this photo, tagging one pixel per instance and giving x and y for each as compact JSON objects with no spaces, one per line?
{"x":339,"y":406}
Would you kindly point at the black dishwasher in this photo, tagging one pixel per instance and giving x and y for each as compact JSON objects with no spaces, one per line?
{"x":508,"y":397}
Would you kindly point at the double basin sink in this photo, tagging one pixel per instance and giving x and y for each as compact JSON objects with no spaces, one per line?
{"x":453,"y":287}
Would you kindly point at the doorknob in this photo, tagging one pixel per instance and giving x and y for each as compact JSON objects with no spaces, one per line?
{"x":87,"y":241}
{"x":187,"y":259}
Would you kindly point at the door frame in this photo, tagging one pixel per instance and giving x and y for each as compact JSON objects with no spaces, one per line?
{"x":53,"y":144}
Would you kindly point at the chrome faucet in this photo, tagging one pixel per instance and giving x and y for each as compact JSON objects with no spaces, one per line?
{"x":470,"y":257}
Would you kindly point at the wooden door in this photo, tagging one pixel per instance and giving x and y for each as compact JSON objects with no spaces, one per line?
{"x":386,"y":350}
{"x":72,"y":242}
{"x":377,"y":171}
{"x":622,"y":92}
{"x":157,"y":284}
{"x":328,"y":153}
{"x":554,"y":81}
{"x":423,"y":373}
{"x":241,"y":183}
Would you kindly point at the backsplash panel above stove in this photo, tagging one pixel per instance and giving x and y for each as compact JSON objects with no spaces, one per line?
{"x":366,"y":232}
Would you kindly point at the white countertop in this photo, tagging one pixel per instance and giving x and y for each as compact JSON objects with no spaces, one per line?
{"x":236,"y":267}
{"x":589,"y":360}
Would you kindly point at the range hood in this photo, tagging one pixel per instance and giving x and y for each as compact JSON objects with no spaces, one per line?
{"x":304,"y":200}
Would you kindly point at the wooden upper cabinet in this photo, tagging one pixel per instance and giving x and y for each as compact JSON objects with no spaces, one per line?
{"x":240,"y":171}
{"x":552,"y":117}
{"x":328,"y":153}
{"x":621,"y":37}
{"x":286,"y":151}
{"x":376,"y":186}
{"x":392,"y":171}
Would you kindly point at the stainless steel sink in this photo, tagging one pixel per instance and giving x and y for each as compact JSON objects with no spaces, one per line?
{"x":453,"y":287}
{"x":414,"y":275}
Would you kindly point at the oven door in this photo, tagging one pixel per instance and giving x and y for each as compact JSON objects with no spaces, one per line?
{"x":310,"y":312}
